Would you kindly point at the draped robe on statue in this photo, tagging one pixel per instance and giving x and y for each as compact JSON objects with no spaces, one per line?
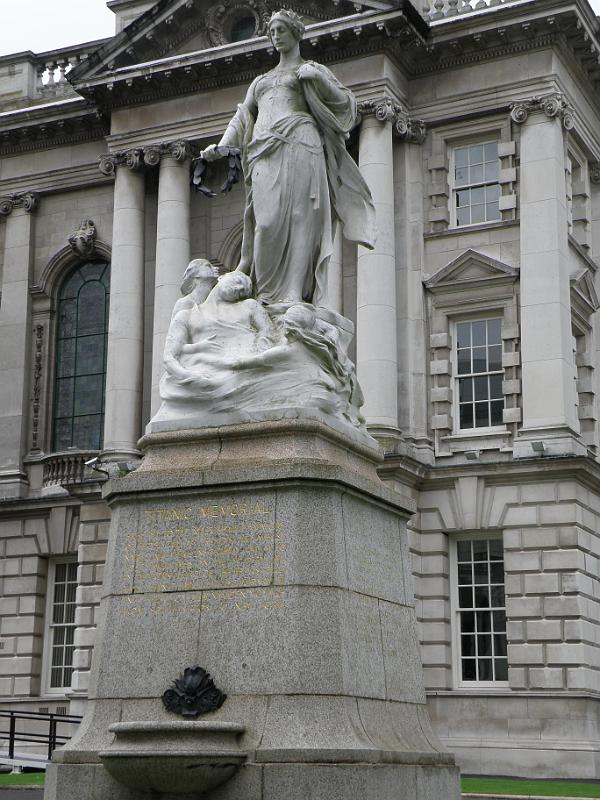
{"x":300,"y":179}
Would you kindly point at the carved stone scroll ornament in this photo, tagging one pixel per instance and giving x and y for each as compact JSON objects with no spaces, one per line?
{"x":553,"y":105}
{"x":83,"y":240}
{"x":28,"y":200}
{"x":37,"y":386}
{"x":193,"y":694}
{"x":150,"y":156}
{"x":387,"y":110}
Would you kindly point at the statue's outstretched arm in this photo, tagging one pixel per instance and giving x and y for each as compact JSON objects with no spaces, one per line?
{"x":233,"y":135}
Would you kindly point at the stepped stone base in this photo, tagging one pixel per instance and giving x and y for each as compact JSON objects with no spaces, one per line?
{"x":271,"y":555}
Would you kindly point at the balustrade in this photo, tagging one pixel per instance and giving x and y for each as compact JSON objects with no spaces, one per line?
{"x":442,"y":9}
{"x":68,"y":468}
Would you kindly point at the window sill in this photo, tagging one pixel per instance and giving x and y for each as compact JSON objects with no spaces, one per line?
{"x":484,"y":439}
{"x":482,"y":226}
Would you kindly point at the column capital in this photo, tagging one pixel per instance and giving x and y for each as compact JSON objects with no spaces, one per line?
{"x":553,"y":105}
{"x":26,"y":200}
{"x":385,"y":109}
{"x":136,"y":158}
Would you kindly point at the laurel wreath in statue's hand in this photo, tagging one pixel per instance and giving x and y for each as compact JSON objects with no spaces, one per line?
{"x":200,"y":164}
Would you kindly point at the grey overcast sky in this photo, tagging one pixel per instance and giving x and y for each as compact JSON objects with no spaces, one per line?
{"x":40,"y":25}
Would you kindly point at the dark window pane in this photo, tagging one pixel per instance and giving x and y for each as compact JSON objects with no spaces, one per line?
{"x":64,"y":397}
{"x":92,"y":312}
{"x":480,"y":570}
{"x":479,"y":333}
{"x":479,"y":359}
{"x":501,"y":665}
{"x":72,"y":571}
{"x":60,"y":574}
{"x":72,"y":286}
{"x":477,"y":214}
{"x":482,"y":418}
{"x":481,"y":388}
{"x":494,"y":331}
{"x":496,"y":387}
{"x":465,"y":597}
{"x":461,"y":156}
{"x":67,"y":319}
{"x":496,"y":549}
{"x":466,"y":416}
{"x":497,"y":408}
{"x":491,"y":171}
{"x":59,"y":636}
{"x":96,"y":272}
{"x":484,"y":645}
{"x":65,"y":358}
{"x":463,"y":550}
{"x":482,"y":597}
{"x":476,"y":154}
{"x":476,"y":176}
{"x":499,"y":621}
{"x":484,"y":621}
{"x":465,"y":389}
{"x":89,"y":394}
{"x":463,"y":199}
{"x":467,"y":621}
{"x":492,"y":211}
{"x":55,"y":679}
{"x":87,"y":432}
{"x":467,"y":645}
{"x":63,"y":433}
{"x":490,"y":151}
{"x":484,"y":669}
{"x":463,"y":216}
{"x":495,"y":357}
{"x":461,"y":176}
{"x":497,"y":572}
{"x":90,"y":354}
{"x":500,"y":644}
{"x":465,"y":576}
{"x":469,"y":669}
{"x":463,"y":334}
{"x":498,"y":596}
{"x":464,"y":361}
{"x":480,"y":550}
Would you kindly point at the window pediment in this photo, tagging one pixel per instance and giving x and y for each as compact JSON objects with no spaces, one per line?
{"x":471,"y":267}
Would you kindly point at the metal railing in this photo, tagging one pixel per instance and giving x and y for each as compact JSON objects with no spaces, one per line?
{"x":50,"y":738}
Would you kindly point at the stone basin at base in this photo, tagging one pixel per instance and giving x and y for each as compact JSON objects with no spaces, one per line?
{"x":174,"y":757}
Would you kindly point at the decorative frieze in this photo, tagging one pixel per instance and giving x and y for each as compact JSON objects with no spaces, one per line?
{"x":149,"y":156}
{"x":27,"y":200}
{"x":553,"y":105}
{"x":387,"y":110}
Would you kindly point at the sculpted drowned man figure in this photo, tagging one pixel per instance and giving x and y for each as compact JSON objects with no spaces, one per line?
{"x":262,"y":343}
{"x":291,"y":130}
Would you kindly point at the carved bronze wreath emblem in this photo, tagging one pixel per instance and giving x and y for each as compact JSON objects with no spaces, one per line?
{"x":193,"y":694}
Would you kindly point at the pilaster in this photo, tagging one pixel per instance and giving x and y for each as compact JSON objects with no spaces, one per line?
{"x":15,"y":340}
{"x":548,"y":366}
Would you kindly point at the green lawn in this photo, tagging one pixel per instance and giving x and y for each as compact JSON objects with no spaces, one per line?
{"x":530,"y":787}
{"x":22,"y":778}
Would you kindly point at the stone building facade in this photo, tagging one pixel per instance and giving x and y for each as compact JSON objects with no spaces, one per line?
{"x":477,"y":346}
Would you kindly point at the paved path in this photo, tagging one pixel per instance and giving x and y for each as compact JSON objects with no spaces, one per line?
{"x":18,"y":793}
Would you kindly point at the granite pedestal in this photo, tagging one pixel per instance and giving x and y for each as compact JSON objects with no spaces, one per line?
{"x":271,"y":555}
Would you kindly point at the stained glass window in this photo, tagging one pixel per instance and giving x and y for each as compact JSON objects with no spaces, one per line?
{"x":82,"y":328}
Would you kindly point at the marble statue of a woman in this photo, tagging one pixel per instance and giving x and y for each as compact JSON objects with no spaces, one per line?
{"x":300,"y":180}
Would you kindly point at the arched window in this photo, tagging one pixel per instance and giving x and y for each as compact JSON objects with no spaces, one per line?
{"x":82,"y":329}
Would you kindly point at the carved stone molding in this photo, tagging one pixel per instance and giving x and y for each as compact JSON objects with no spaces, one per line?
{"x":28,"y":200}
{"x":553,"y":105}
{"x":150,"y":156}
{"x":387,"y":110}
{"x":37,"y":386}
{"x":83,"y":240}
{"x":595,"y":172}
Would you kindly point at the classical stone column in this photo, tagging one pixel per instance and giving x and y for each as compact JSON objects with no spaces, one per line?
{"x":15,"y":341}
{"x":376,"y":328}
{"x":548,"y":368}
{"x":123,"y":409}
{"x":172,"y":248}
{"x":335,"y":276}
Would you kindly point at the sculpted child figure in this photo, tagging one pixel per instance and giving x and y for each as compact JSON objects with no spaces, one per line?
{"x":300,"y":180}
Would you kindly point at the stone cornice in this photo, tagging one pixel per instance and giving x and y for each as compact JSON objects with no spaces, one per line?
{"x":28,"y":200}
{"x":385,"y":109}
{"x":136,"y":158}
